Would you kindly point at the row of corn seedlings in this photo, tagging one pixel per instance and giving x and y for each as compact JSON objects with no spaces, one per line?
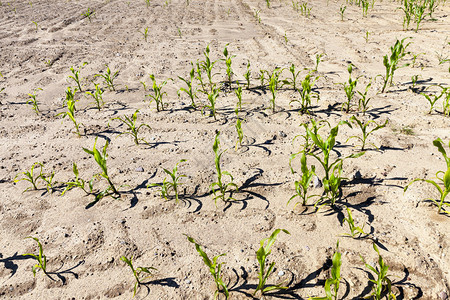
{"x":381,"y":284}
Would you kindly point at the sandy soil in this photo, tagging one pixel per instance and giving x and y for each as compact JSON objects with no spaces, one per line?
{"x":84,"y":243}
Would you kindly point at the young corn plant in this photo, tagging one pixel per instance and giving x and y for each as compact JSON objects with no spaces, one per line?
{"x":307,"y":93}
{"x":220,"y":188}
{"x":294,"y":74}
{"x":98,"y":97}
{"x":199,"y":77}
{"x":398,"y":52}
{"x":302,"y":185}
{"x":349,"y":88}
{"x":342,"y":11}
{"x":365,"y":130}
{"x":318,"y":60}
{"x":433,"y":98}
{"x":214,"y":268}
{"x":333,"y":170}
{"x":40,"y":258}
{"x":173,"y":185}
{"x":137,"y":272}
{"x":79,"y":182}
{"x":266,"y":269}
{"x":100,"y":159}
{"x":247,"y":75}
{"x":446,"y":103}
{"x":238,"y":93}
{"x":334,"y":281}
{"x":443,"y":178}
{"x":355,"y":231}
{"x":363,"y":102}
{"x":76,"y":76}
{"x":382,"y":284}
{"x":207,"y":65}
{"x":190,"y":90}
{"x":33,"y":101}
{"x":70,"y":105}
{"x":132,"y":127}
{"x":109,"y":78}
{"x":238,"y":127}
{"x":30,"y":176}
{"x":257,"y":15}
{"x":227,"y":60}
{"x":158,"y":94}
{"x":273,"y":86}
{"x":88,"y":14}
{"x":212,"y":98}
{"x":145,"y":34}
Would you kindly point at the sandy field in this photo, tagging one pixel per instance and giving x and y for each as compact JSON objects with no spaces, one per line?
{"x":84,"y":240}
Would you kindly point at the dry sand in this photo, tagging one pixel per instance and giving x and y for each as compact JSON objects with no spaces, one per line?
{"x":84,"y":243}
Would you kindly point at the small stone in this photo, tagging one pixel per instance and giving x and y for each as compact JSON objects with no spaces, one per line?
{"x":357,"y":175}
{"x":281,"y":273}
{"x":139,"y":169}
{"x":443,"y":295}
{"x":316,"y":183}
{"x":187,"y":281}
{"x":307,"y":248}
{"x":282,"y":134}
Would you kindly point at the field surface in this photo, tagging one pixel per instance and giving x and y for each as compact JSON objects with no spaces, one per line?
{"x":84,"y":239}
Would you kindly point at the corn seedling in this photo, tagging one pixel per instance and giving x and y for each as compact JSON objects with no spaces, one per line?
{"x":166,"y":186}
{"x":179,"y":32}
{"x":335,"y":278}
{"x":137,"y":272}
{"x":296,"y":5}
{"x":100,"y":158}
{"x":266,"y":269}
{"x":318,"y":60}
{"x":333,"y":170}
{"x":132,"y":127}
{"x":212,"y":97}
{"x":247,"y":75}
{"x":433,"y":98}
{"x":33,"y":101}
{"x":414,"y":79}
{"x":147,"y":2}
{"x":220,"y":188}
{"x":48,"y":179}
{"x":349,"y":88}
{"x":273,"y":86}
{"x":302,"y":185}
{"x":294,"y":74}
{"x":109,"y":78}
{"x":89,"y":14}
{"x":398,"y":51}
{"x":36,"y":24}
{"x":285,"y":38}
{"x":365,"y":7}
{"x":305,"y":10}
{"x":262,"y":77}
{"x":70,"y":104}
{"x":145,"y":33}
{"x":366,"y":37}
{"x":268,"y":3}
{"x":238,"y":93}
{"x":342,"y":11}
{"x":446,"y":103}
{"x":30,"y":176}
{"x":363,"y":102}
{"x":98,"y":97}
{"x":79,"y":182}
{"x":158,"y":93}
{"x":382,"y":284}
{"x":306,"y":93}
{"x":190,"y":90}
{"x":214,"y":268}
{"x":199,"y":77}
{"x":76,"y":76}
{"x":238,"y":127}
{"x":365,"y":130}
{"x":354,"y":230}
{"x":40,"y":258}
{"x":443,"y":177}
{"x":207,"y":65}
{"x":257,"y":15}
{"x":228,"y":62}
